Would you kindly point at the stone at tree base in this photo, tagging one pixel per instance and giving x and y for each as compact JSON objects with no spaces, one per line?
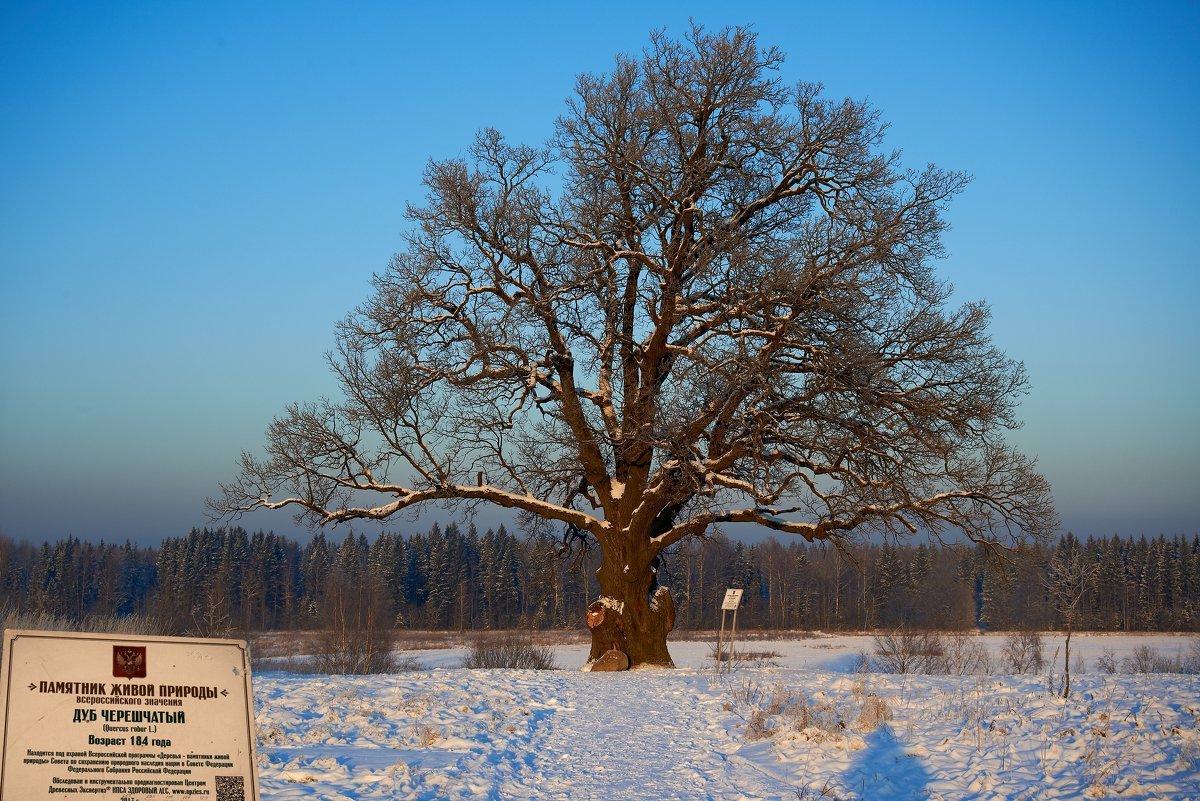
{"x":611,"y":661}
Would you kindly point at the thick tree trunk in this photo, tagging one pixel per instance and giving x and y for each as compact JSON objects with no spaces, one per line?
{"x":633,"y":615}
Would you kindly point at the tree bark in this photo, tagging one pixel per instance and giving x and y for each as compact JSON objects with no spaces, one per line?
{"x":633,"y":615}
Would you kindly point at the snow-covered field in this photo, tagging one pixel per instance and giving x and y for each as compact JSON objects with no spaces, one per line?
{"x":806,"y":727}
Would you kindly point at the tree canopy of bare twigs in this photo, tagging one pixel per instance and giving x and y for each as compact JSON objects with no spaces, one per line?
{"x":708,"y":299}
{"x":1070,"y":578}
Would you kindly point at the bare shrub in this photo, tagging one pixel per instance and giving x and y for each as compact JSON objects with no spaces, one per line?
{"x":404,"y":663}
{"x":1192,"y":663}
{"x":748,"y":693}
{"x":781,"y":710}
{"x":907,"y":651}
{"x":510,"y":652}
{"x":1146,"y":659}
{"x":874,"y":712}
{"x":966,"y":655}
{"x":1023,"y":652}
{"x":424,"y":736}
{"x":785,"y":709}
{"x":300,"y":665}
{"x":1142,"y":660}
{"x":356,"y":635}
{"x":354,"y":653}
{"x":759,"y":726}
{"x":743,"y":657}
{"x":810,"y":793}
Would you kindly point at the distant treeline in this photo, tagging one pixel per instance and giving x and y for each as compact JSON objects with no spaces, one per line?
{"x":216,"y":581}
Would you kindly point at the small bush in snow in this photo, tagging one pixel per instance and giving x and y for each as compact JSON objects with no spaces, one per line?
{"x":750,"y":658}
{"x":508,"y":651}
{"x":966,"y":655}
{"x":359,"y":654}
{"x":424,"y":736}
{"x":874,"y":712}
{"x":782,"y":711}
{"x":1145,"y":659}
{"x":810,"y":793}
{"x":356,"y":637}
{"x":906,"y":651}
{"x":1023,"y":652}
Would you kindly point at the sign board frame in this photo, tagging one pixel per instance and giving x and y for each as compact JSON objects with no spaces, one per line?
{"x":733,"y":599}
{"x":125,"y":718}
{"x":730,"y":603}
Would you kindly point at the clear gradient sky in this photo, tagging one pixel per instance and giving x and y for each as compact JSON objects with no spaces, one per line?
{"x":192,"y":194}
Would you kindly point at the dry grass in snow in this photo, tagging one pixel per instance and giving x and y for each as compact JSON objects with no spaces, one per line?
{"x":804,"y":727}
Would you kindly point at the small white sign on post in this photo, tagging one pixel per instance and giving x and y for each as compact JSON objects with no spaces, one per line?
{"x":733,"y":599}
{"x":125,"y":718}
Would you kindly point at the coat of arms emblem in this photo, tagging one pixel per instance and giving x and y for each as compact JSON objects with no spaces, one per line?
{"x":129,"y":661}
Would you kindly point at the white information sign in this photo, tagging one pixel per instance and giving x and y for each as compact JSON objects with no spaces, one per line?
{"x":125,"y":718}
{"x":733,"y":599}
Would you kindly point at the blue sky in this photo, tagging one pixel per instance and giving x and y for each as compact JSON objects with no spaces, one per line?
{"x":192,"y":194}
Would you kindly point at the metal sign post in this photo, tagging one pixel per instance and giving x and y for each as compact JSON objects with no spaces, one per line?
{"x":733,"y":599}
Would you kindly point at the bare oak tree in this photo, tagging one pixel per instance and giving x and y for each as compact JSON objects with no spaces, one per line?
{"x":709,"y":299}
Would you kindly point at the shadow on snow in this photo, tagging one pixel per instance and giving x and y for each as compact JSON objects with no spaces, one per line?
{"x":884,"y":769}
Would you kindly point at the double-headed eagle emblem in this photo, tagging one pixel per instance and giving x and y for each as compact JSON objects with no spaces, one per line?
{"x":129,"y":661}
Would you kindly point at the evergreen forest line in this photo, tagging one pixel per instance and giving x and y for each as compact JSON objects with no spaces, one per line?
{"x":216,"y":581}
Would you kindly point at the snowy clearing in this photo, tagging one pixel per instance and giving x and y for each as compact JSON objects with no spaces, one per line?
{"x":800,"y":725}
